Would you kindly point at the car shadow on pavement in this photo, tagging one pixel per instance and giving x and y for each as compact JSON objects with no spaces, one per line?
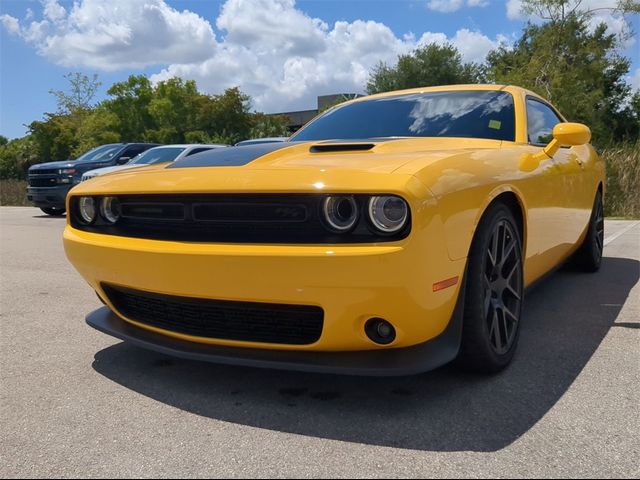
{"x":565,"y":319}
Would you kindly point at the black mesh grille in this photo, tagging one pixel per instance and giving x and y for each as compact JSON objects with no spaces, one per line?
{"x":233,"y":218}
{"x":42,"y":182}
{"x":221,"y":319}
{"x":45,"y":171}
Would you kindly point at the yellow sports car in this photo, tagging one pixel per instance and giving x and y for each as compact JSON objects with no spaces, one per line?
{"x":392,"y":234}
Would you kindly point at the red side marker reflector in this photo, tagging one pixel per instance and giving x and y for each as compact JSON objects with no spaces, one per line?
{"x":449,"y":282}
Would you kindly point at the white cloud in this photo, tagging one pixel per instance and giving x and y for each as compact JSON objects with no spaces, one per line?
{"x":604,"y":11}
{"x":473,"y":46}
{"x":445,"y":6}
{"x":448,"y":6}
{"x":118,"y":34}
{"x":514,"y":10}
{"x":272,"y":50}
{"x":11,"y":24}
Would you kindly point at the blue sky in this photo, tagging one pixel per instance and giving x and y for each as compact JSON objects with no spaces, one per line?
{"x":283,"y":53}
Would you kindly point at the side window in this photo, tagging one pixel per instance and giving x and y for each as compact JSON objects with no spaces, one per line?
{"x":133,"y":151}
{"x":198,"y":150}
{"x":540,"y":122}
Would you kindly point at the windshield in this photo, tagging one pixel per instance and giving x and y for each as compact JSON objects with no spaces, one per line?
{"x":471,"y":114}
{"x":157,"y":155}
{"x":105,"y":152}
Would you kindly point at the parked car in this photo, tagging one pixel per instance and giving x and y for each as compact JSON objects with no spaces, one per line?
{"x":391,"y":235}
{"x":161,"y":154}
{"x":257,"y":141}
{"x":49,"y":183}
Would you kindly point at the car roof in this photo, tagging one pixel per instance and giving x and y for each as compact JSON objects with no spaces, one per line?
{"x":446,"y":88}
{"x":190,"y":145}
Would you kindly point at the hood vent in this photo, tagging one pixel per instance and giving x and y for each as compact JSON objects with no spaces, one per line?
{"x":341,"y":147}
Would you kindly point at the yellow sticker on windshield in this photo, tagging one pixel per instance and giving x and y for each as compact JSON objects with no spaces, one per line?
{"x":495,"y":124}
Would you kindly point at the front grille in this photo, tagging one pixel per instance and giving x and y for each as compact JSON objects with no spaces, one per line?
{"x":45,"y":171}
{"x":42,"y":182}
{"x":220,"y":319}
{"x":233,"y":218}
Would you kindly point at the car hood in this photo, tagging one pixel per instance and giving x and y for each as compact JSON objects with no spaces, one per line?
{"x":52,"y":165}
{"x":83,"y":166}
{"x":116,"y":168}
{"x":294,"y":167}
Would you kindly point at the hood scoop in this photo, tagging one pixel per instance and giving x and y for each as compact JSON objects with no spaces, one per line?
{"x":341,"y":147}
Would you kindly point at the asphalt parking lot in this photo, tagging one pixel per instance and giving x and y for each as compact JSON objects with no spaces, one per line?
{"x":75,"y":402}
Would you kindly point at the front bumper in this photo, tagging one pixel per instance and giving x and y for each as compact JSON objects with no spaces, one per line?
{"x":351,"y":283}
{"x":49,"y":196}
{"x":382,"y":363}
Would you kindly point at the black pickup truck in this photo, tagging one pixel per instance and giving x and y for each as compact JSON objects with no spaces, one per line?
{"x":50,"y":182}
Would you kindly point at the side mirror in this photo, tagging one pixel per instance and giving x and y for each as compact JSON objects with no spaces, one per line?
{"x":123,"y":160}
{"x":563,"y":134}
{"x":571,"y":134}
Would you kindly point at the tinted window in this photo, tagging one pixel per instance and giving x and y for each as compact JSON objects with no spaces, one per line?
{"x":157,"y":155}
{"x":474,"y":114}
{"x":105,"y":152}
{"x":134,"y":150}
{"x":198,"y":150}
{"x":540,"y":122}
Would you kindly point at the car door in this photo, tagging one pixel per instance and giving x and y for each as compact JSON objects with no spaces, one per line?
{"x":560,"y":221}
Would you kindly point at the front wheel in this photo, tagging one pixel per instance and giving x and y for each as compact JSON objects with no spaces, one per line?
{"x":53,"y":211}
{"x":494,"y":293}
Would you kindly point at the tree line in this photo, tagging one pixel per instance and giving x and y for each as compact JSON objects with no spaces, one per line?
{"x":563,"y":58}
{"x":171,"y":111}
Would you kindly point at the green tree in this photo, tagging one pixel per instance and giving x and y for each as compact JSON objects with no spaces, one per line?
{"x":16,"y":156}
{"x":430,"y":65}
{"x":574,"y":66}
{"x":268,"y":126}
{"x":80,"y":96}
{"x":129,"y":101}
{"x":225,"y":117}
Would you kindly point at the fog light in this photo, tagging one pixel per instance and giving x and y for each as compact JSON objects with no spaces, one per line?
{"x":380,"y":331}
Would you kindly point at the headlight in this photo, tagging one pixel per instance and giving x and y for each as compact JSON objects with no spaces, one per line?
{"x":67,"y":171}
{"x":110,"y":209}
{"x":388,"y":214}
{"x":340,"y":212}
{"x":87,"y":207}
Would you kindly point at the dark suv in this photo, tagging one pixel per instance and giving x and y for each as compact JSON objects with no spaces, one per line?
{"x":50,"y":182}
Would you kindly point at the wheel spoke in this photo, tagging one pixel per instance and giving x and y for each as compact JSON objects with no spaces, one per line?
{"x":511,"y":277}
{"x":492,"y":251}
{"x":494,"y":334}
{"x":508,"y":313}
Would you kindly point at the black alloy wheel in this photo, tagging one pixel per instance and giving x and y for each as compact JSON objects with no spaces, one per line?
{"x":502,"y":287}
{"x":494,"y":293}
{"x":589,"y":256}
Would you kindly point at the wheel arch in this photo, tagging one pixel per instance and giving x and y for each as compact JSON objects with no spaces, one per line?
{"x":513,"y":199}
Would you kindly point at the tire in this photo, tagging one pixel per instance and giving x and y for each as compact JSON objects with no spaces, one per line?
{"x":494,"y":294}
{"x":53,"y":211}
{"x":589,"y":256}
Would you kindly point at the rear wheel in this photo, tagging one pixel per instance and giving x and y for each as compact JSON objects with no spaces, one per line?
{"x":54,"y":211}
{"x":494,"y":292}
{"x":589,"y":257}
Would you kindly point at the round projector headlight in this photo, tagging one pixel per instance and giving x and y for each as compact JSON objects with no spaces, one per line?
{"x":388,"y":213}
{"x":110,"y":209}
{"x":87,"y":209}
{"x":340,"y":212}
